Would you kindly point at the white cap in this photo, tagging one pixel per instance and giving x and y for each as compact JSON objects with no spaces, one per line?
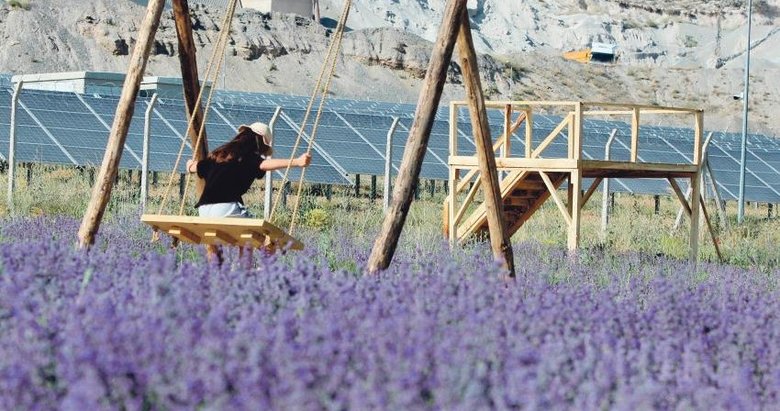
{"x":260,"y":129}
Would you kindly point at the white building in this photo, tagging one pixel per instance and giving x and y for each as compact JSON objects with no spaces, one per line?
{"x":103,"y":83}
{"x":304,"y":8}
{"x":300,"y":7}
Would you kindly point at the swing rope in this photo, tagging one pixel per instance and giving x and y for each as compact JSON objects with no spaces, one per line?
{"x":328,"y":70}
{"x":217,"y":59}
{"x":220,"y":66}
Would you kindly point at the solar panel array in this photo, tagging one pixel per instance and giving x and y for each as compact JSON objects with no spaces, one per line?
{"x":71,"y":129}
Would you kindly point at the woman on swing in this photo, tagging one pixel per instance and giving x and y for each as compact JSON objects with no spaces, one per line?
{"x":229,"y":171}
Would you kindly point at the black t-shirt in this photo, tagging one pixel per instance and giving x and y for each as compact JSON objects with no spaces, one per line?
{"x":227,"y":182}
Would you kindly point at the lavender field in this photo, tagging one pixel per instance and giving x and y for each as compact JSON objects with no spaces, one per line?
{"x":134,"y":326}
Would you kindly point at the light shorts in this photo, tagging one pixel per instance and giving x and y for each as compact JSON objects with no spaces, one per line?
{"x":219,"y":210}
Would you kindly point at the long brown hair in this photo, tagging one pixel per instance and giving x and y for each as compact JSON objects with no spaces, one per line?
{"x":246,"y":144}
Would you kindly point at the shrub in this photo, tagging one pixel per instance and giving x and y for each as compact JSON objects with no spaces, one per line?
{"x":20,"y":4}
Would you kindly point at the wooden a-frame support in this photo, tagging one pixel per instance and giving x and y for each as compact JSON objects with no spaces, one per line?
{"x":455,"y":27}
{"x":104,"y":183}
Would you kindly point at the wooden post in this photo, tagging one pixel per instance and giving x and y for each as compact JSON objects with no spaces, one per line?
{"x":357,"y":185}
{"x":506,"y":152}
{"x":696,"y":186}
{"x":494,"y":206}
{"x":635,"y":135}
{"x":450,"y":208}
{"x":576,"y":209}
{"x":695,"y":194}
{"x":417,"y":143}
{"x":101,"y":192}
{"x":529,"y":132}
{"x":657,"y":201}
{"x":373,"y":187}
{"x":190,"y":81}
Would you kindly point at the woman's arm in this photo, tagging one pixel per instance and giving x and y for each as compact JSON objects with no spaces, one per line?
{"x":192,"y":166}
{"x":277,"y":163}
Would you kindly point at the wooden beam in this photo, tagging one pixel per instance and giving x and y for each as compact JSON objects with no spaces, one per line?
{"x":465,"y":181}
{"x":417,"y":142}
{"x":529,"y":133}
{"x":694,"y":238}
{"x":553,"y":193}
{"x":578,"y":135}
{"x":576,"y":209}
{"x":709,"y":227}
{"x":507,"y":131}
{"x":551,"y":137}
{"x":183,"y":234}
{"x":635,"y":135}
{"x":587,"y":105}
{"x":467,"y":201}
{"x":593,"y":187}
{"x":680,"y":196}
{"x":101,"y":192}
{"x":254,"y":238}
{"x":190,"y":81}
{"x":499,"y":239}
{"x":517,"y":163}
{"x":212,"y":235}
{"x":450,"y":223}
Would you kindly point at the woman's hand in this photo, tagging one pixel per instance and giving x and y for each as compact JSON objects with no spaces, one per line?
{"x":303,"y":161}
{"x":192,"y":166}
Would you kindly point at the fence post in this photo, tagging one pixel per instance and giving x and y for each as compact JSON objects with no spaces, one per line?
{"x":389,"y":165}
{"x":145,"y":154}
{"x":268,"y":193}
{"x":12,"y":147}
{"x":605,"y":203}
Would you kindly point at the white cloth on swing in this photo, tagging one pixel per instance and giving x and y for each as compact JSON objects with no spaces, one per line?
{"x":219,"y":210}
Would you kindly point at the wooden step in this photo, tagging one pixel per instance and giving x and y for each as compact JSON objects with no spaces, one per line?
{"x":522,"y":194}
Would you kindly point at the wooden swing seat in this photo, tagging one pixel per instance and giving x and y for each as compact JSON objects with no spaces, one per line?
{"x":257,"y":233}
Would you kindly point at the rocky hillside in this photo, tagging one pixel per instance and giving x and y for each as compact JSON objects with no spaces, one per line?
{"x":684,"y":53}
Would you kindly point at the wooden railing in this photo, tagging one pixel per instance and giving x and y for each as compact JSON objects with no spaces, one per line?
{"x":570,"y":127}
{"x":573,"y":114}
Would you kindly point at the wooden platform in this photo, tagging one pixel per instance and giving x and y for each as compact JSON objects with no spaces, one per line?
{"x":528,"y":179}
{"x":256,"y":233}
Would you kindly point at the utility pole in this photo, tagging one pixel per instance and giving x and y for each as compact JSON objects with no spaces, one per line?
{"x":745,"y":100}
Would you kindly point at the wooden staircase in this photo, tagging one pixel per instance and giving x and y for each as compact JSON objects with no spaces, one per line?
{"x":522,"y":193}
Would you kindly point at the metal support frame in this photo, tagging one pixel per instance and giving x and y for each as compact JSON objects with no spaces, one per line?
{"x":12,"y":147}
{"x":386,"y":194}
{"x":745,"y":105}
{"x":706,"y":170}
{"x":145,"y":153}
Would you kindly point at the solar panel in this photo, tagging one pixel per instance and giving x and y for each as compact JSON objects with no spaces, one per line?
{"x":61,"y":128}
